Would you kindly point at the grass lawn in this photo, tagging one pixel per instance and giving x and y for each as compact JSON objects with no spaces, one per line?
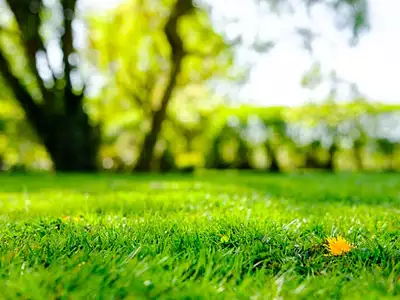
{"x":205,"y":236}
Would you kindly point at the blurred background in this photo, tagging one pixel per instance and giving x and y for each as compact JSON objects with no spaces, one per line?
{"x":180,"y":85}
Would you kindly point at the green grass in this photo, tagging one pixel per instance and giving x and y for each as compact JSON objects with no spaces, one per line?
{"x":205,"y":236}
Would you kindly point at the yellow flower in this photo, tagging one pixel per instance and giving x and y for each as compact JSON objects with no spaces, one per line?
{"x":68,"y":218}
{"x":338,"y":246}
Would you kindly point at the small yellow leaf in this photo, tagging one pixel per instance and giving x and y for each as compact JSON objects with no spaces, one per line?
{"x":225,"y":239}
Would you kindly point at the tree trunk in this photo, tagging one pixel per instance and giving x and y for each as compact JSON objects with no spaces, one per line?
{"x":181,"y":8}
{"x":71,"y":142}
{"x":330,"y":164}
{"x":150,"y":140}
{"x":58,"y":118}
{"x":358,"y":158}
{"x":311,"y":162}
{"x":392,"y":162}
{"x":274,"y":165}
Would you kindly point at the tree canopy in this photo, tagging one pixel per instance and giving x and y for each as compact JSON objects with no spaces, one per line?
{"x":152,"y":49}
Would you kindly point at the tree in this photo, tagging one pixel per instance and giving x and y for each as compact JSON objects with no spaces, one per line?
{"x":335,"y":123}
{"x":51,"y":100}
{"x":175,"y":47}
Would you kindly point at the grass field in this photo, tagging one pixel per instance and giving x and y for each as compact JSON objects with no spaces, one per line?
{"x":205,"y":236}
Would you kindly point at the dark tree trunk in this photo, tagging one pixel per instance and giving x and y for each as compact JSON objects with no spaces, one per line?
{"x":244,"y":164}
{"x":147,"y":153}
{"x":330,"y":164}
{"x":214,"y":159}
{"x":72,"y":142}
{"x":358,"y":158}
{"x":58,"y":118}
{"x":243,"y":156}
{"x":311,"y":162}
{"x":392,"y":164}
{"x":274,"y":164}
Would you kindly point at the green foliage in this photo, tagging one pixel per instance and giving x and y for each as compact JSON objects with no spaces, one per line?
{"x":138,"y":73}
{"x":52,"y":100}
{"x":313,"y":77}
{"x":139,"y":69}
{"x":130,"y":46}
{"x":201,"y":134}
{"x":348,"y":14}
{"x":214,"y":236}
{"x":335,"y":129}
{"x":19,"y":146}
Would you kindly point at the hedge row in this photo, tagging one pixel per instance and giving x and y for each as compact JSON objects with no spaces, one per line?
{"x":354,"y":136}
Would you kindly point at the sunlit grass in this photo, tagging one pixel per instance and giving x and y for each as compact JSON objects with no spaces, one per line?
{"x":212,"y":235}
